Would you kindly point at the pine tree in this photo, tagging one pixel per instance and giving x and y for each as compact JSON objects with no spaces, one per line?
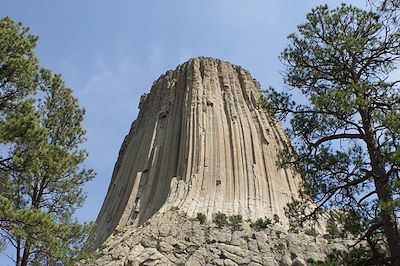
{"x":346,"y":134}
{"x":18,"y":64}
{"x":41,"y":164}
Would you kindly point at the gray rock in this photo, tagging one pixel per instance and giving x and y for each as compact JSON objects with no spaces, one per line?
{"x":199,"y":136}
{"x":299,"y":262}
{"x":200,"y":144}
{"x":228,"y":262}
{"x":165,"y":247}
{"x":242,"y":248}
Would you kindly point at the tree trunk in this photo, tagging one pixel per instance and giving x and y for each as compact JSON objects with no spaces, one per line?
{"x":25,"y":256}
{"x":381,"y":182}
{"x":18,"y":259}
{"x":390,"y":226}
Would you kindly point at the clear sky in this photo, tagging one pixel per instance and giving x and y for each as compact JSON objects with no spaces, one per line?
{"x":110,"y":52}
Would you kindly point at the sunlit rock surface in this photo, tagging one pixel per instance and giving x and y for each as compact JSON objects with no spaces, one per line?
{"x":202,"y":144}
{"x":173,"y":238}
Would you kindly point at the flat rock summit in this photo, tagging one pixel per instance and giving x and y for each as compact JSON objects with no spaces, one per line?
{"x":201,"y":145}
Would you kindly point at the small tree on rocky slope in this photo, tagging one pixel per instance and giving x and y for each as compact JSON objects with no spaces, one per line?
{"x":347,"y":133}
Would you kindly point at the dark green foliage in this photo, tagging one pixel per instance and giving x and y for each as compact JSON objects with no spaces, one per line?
{"x":220,"y":219}
{"x":311,"y":232}
{"x":346,"y":131}
{"x":41,"y":162}
{"x":261,"y":224}
{"x":332,"y":228}
{"x":201,"y":217}
{"x":353,"y":223}
{"x":236,"y":222}
{"x":359,"y":256}
{"x":276,"y":218}
{"x":18,"y":64}
{"x":311,"y":262}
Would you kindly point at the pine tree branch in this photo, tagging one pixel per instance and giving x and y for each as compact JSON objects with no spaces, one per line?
{"x":338,"y":136}
{"x":330,"y":193}
{"x":367,"y":235}
{"x":366,"y":196}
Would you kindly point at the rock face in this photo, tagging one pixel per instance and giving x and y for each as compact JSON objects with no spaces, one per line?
{"x":201,"y":144}
{"x":172,"y":238}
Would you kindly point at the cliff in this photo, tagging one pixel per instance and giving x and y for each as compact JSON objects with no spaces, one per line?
{"x":200,"y":144}
{"x":196,"y":180}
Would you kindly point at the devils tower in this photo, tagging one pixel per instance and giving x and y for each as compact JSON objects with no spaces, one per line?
{"x":200,"y":144}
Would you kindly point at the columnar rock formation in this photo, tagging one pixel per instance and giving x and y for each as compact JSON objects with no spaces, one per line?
{"x":199,"y":144}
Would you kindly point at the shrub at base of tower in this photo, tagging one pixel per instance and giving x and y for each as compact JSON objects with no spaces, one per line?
{"x":220,"y":219}
{"x":201,"y":217}
{"x":236,"y":222}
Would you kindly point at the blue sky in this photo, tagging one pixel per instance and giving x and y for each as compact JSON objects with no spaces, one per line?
{"x":110,"y":52}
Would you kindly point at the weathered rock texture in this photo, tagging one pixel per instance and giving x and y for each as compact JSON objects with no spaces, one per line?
{"x":200,"y":144}
{"x":171,"y":238}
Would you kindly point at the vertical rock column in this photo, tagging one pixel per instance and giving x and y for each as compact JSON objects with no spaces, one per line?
{"x":200,"y":144}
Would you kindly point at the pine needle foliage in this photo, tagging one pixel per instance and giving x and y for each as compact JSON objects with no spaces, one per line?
{"x":346,"y":130}
{"x":42,"y":169}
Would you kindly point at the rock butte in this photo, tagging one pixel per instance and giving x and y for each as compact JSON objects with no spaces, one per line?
{"x":199,"y":144}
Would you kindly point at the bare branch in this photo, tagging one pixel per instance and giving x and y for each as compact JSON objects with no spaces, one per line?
{"x":338,"y":136}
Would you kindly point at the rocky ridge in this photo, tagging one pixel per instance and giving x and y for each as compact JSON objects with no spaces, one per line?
{"x":172,"y":238}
